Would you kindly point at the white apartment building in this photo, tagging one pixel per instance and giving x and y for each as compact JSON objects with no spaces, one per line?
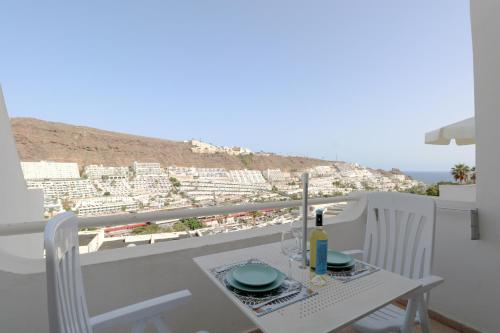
{"x":99,"y":171}
{"x":201,"y":147}
{"x":143,"y":168}
{"x":49,"y":170}
{"x":276,"y":175}
{"x":399,"y":177}
{"x":64,"y":188}
{"x":246,"y":176}
{"x":201,"y":190}
{"x":212,"y":173}
{"x":345,"y":167}
{"x":322,"y":171}
{"x":159,"y":184}
{"x":105,"y":205}
{"x":192,"y":172}
{"x":323,"y":185}
{"x":176,"y":201}
{"x":113,"y":186}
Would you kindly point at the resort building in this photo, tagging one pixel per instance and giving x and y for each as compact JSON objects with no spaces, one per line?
{"x":105,"y":205}
{"x":99,"y":171}
{"x":49,"y":170}
{"x":146,"y":169}
{"x":246,"y":176}
{"x":64,"y":188}
{"x":276,"y":175}
{"x":201,"y":147}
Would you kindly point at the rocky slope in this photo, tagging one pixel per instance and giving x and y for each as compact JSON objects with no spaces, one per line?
{"x":43,"y":140}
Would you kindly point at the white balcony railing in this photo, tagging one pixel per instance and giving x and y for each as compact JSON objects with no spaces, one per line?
{"x":130,"y":218}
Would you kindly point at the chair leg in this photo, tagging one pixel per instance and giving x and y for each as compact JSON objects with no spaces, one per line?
{"x":160,"y":325}
{"x":139,"y":326}
{"x":424,"y":315}
{"x":411,"y":311}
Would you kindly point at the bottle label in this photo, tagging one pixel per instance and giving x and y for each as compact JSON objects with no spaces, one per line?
{"x":321,"y":254}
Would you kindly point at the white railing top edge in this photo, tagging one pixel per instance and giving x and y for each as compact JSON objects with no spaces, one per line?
{"x":456,"y":205}
{"x":130,"y":218}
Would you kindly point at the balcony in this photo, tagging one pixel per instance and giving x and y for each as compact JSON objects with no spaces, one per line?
{"x":466,"y":302}
{"x":119,"y":277}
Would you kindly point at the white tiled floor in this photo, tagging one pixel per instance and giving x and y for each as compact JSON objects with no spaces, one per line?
{"x":436,"y":328}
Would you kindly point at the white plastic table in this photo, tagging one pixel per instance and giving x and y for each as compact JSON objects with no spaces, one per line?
{"x":335,"y":306}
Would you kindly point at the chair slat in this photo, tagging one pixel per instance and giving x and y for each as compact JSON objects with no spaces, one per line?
{"x":410,"y":231}
{"x":370,"y":245}
{"x":382,"y":238}
{"x":403,"y":220}
{"x":391,"y":240}
{"x":420,"y":250}
{"x":62,"y":309}
{"x":68,"y":289}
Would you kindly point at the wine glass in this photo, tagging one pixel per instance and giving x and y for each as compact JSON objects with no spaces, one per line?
{"x":296,"y":230}
{"x":290,"y":247}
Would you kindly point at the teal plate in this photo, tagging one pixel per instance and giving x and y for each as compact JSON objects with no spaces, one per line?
{"x":349,"y":264}
{"x":338,"y":259}
{"x":254,"y":275}
{"x":262,"y":289}
{"x":346,"y":267}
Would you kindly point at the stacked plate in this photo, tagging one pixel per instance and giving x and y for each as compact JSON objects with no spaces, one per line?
{"x":338,"y":261}
{"x":255,"y":278}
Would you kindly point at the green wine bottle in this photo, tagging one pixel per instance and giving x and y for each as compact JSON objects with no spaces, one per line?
{"x":319,"y":246}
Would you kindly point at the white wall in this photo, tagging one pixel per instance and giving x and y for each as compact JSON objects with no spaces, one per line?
{"x":458,"y":192}
{"x":481,"y":290}
{"x":463,"y":296}
{"x":17,"y":204}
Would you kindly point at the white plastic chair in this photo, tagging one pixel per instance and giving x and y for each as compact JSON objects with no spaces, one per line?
{"x":400,"y":238}
{"x":67,"y":306}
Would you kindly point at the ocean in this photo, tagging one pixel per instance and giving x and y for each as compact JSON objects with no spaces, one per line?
{"x":431,"y":177}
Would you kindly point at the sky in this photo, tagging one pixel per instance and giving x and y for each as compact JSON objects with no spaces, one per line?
{"x":358,"y":80}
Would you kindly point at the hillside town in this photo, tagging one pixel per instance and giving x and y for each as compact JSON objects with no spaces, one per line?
{"x":99,"y":190}
{"x":96,"y":190}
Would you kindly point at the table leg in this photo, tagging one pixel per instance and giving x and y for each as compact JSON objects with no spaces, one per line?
{"x":411,"y":311}
{"x":424,"y":315}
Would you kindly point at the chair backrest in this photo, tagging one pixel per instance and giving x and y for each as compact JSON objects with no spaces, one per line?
{"x":65,"y":294}
{"x":400,"y":233}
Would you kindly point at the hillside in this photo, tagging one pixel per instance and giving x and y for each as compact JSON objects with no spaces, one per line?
{"x":43,"y":140}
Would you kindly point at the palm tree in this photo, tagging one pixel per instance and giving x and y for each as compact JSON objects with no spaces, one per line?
{"x":254,"y":215}
{"x":461,"y":173}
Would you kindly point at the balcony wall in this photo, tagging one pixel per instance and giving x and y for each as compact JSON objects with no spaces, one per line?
{"x":120,"y":277}
{"x":18,"y":204}
{"x":458,"y":259}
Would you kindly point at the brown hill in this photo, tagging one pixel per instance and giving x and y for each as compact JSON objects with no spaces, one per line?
{"x":43,"y":140}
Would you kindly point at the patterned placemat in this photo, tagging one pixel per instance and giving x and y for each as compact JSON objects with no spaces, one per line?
{"x":289,"y":292}
{"x":359,"y":270}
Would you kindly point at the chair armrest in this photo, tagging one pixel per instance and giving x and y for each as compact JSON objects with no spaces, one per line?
{"x":142,"y":310}
{"x":430,"y":282}
{"x":358,"y":254}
